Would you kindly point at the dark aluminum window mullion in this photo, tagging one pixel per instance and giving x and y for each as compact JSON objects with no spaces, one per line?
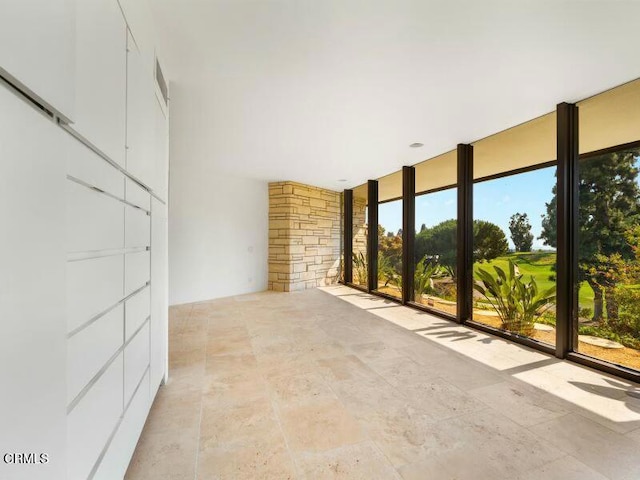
{"x":408,"y":231}
{"x":372,"y":234}
{"x":567,"y":228}
{"x":464,"y":266}
{"x":348,"y":236}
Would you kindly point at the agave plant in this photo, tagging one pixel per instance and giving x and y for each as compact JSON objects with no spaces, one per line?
{"x":422,"y":278}
{"x":360,"y":268}
{"x":518,"y":303}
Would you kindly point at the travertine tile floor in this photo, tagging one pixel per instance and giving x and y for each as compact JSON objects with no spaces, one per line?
{"x":336,"y":384}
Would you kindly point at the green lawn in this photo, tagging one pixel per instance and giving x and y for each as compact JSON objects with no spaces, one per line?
{"x":537,"y":264}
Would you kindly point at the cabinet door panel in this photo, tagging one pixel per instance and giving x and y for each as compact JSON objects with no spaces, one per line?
{"x":90,"y":349}
{"x":32,"y":257}
{"x":159,"y":292}
{"x":101,"y":76}
{"x":140,"y":117}
{"x":37,"y":50}
{"x":161,"y":186}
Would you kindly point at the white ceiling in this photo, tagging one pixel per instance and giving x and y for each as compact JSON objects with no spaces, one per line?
{"x":321,"y":90}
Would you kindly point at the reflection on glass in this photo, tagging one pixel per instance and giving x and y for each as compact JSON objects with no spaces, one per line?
{"x":435,"y":250}
{"x":609,"y":256}
{"x":390,"y":248}
{"x":514,"y":254}
{"x":359,"y":260}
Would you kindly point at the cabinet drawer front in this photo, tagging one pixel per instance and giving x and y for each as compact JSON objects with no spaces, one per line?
{"x":92,"y":421}
{"x":136,"y":361}
{"x":93,"y":286}
{"x":137,"y":271}
{"x":137,"y":228}
{"x":85,"y":165}
{"x":90,"y":349}
{"x":136,"y":311}
{"x":118,"y":456}
{"x":95,"y":221}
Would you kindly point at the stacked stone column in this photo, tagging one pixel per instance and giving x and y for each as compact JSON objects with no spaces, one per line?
{"x":304,"y":236}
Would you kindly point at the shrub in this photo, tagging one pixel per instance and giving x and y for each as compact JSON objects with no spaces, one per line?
{"x":386,"y":272}
{"x":517,"y":303}
{"x":446,"y":291}
{"x":628,"y":321}
{"x":585,"y":312}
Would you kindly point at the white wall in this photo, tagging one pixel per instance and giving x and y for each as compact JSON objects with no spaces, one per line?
{"x":218,"y":223}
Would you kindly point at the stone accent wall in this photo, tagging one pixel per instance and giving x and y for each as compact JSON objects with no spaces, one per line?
{"x":304,"y":236}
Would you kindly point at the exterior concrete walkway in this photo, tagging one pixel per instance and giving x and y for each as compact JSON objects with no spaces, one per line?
{"x":336,"y":384}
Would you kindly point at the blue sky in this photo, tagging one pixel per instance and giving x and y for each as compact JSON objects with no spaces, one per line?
{"x":493,"y":200}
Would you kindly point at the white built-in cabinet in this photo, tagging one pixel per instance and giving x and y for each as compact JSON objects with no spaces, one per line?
{"x":83,"y":284}
{"x":32,"y":288}
{"x":159,"y":291}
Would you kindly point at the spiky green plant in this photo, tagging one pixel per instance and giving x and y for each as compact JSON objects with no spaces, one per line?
{"x":360,"y":268}
{"x":518,"y":303}
{"x":387,"y":273}
{"x":425,"y":271}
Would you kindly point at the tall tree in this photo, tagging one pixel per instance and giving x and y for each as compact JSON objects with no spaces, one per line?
{"x":390,"y":248}
{"x":489,"y":241}
{"x":520,"y":229}
{"x":550,"y":220}
{"x":439,"y":242}
{"x":608,"y":207}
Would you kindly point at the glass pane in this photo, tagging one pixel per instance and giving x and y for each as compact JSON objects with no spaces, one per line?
{"x":390,"y":235}
{"x":609,"y":227}
{"x":436,"y":234}
{"x":514,"y":249}
{"x":360,"y":201}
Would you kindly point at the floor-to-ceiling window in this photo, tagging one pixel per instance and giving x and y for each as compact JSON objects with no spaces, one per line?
{"x":436,"y":224}
{"x":360,"y":228}
{"x":390,"y":235}
{"x":608,"y":316}
{"x":515,"y":233}
{"x":514,"y":251}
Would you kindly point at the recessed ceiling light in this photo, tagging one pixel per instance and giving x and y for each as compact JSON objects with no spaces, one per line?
{"x":416,"y":145}
{"x":342,"y":180}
